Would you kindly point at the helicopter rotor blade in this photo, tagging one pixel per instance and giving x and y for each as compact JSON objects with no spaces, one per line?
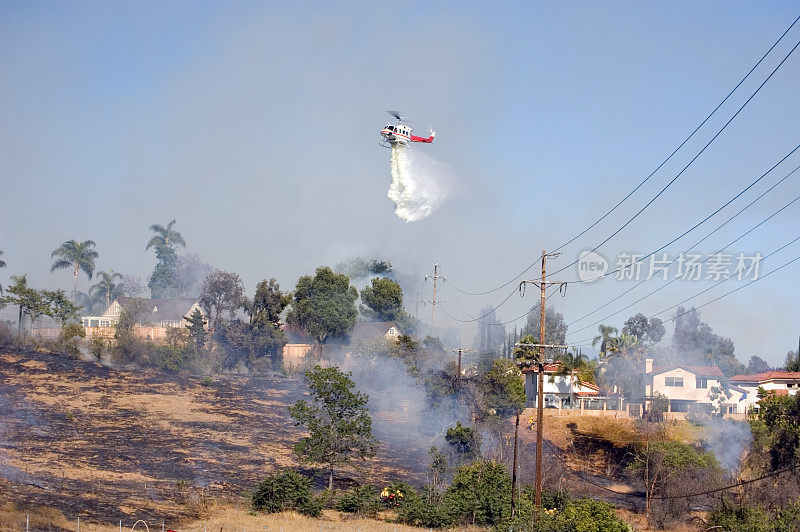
{"x":395,"y":114}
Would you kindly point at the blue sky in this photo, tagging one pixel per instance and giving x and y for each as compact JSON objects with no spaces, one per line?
{"x":255,"y":126}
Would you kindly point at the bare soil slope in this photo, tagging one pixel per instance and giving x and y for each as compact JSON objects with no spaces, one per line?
{"x":110,"y":444}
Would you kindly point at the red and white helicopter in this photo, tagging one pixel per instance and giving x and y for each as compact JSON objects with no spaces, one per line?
{"x":400,"y":133}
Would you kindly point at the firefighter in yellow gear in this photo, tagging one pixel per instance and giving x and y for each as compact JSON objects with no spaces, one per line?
{"x":385,"y":495}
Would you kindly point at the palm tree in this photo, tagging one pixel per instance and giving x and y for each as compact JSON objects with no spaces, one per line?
{"x":525,"y":354}
{"x":577,"y":363}
{"x":606,"y":338}
{"x":165,"y":237}
{"x":75,"y":255}
{"x":107,"y":286}
{"x":2,"y":265}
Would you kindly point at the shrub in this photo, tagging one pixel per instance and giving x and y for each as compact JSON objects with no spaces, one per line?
{"x":206,"y":381}
{"x":362,"y":500}
{"x":582,"y":515}
{"x":286,"y":491}
{"x":423,"y":509}
{"x":480,"y":494}
{"x":741,"y":519}
{"x":68,"y":338}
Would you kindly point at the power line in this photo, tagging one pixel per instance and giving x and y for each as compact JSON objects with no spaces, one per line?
{"x":581,"y":342}
{"x":720,"y":226}
{"x":657,"y":168}
{"x":676,"y":278}
{"x":671,"y":181}
{"x":701,"y":222}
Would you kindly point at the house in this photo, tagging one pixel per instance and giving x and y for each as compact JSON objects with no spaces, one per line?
{"x":154,"y":317}
{"x":372,"y":330}
{"x":561,"y":391}
{"x":695,"y":389}
{"x":777,"y":382}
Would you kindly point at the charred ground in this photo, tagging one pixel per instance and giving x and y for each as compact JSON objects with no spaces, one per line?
{"x":108,"y":444}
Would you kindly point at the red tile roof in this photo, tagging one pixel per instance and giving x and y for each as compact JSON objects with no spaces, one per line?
{"x":548,"y":368}
{"x":704,"y":371}
{"x":767,"y":376}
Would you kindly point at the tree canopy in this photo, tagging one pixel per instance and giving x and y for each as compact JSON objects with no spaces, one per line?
{"x":324,"y":305}
{"x":79,"y":256}
{"x":555,"y":328}
{"x":383,"y":300}
{"x":163,"y":281}
{"x":337,"y":419}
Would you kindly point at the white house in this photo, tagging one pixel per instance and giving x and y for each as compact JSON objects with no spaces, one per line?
{"x":154,"y":316}
{"x":692,"y":388}
{"x":777,"y":382}
{"x":561,"y":391}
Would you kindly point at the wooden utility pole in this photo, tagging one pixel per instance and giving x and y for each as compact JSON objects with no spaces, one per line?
{"x":514,"y":468}
{"x":540,"y":378}
{"x":459,"y":351}
{"x":433,"y":301}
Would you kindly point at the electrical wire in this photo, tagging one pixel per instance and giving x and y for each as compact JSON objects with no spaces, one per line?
{"x":671,"y":181}
{"x":669,"y":497}
{"x":581,"y":342}
{"x":752,"y":69}
{"x":720,"y":226}
{"x":797,"y":198}
{"x":698,"y":224}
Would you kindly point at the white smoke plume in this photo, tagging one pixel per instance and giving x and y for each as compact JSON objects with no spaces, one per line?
{"x":419,"y":183}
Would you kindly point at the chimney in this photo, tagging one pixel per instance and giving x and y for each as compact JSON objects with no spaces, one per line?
{"x":648,"y":365}
{"x":648,"y":377}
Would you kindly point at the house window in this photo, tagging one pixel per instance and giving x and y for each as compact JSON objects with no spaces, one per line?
{"x":731,"y":409}
{"x":702,"y":383}
{"x":790,"y":385}
{"x":674,"y":381}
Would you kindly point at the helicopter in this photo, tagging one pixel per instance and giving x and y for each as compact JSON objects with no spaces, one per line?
{"x":400,"y":133}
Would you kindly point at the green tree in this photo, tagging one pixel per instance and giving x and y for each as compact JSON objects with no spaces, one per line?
{"x":221,"y":292}
{"x":61,"y":308}
{"x":696,"y":338}
{"x":383,"y":300}
{"x":577,"y":363}
{"x":480,"y":494}
{"x":2,"y":265}
{"x":324,"y":305}
{"x":756,"y":364}
{"x":337,"y":419}
{"x":555,"y":328}
{"x":605,"y":339}
{"x":268,"y":303}
{"x":503,"y":389}
{"x":525,"y":354}
{"x":79,"y":256}
{"x":465,"y":442}
{"x":109,"y":286}
{"x":286,"y":491}
{"x":649,"y":332}
{"x":437,"y":467}
{"x":776,"y":429}
{"x":163,"y":281}
{"x":30,"y":301}
{"x":197,"y":328}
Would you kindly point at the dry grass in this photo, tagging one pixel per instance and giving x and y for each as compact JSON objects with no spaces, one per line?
{"x":224,"y":518}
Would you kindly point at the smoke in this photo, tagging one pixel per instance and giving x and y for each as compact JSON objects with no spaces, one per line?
{"x":419,"y":183}
{"x":402,"y":415}
{"x":728,"y":440}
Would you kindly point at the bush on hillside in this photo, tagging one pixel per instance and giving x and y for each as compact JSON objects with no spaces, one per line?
{"x":581,"y":515}
{"x":423,"y":509}
{"x":286,"y":491}
{"x":480,"y":494}
{"x":362,"y":500}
